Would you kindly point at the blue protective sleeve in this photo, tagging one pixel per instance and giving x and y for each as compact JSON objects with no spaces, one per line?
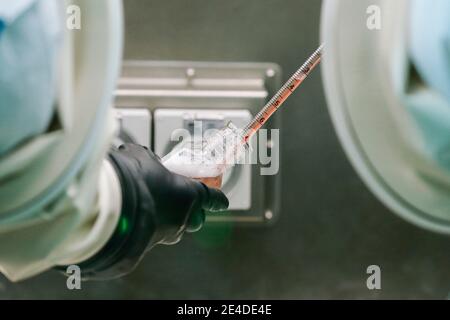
{"x":28,"y":51}
{"x":430,"y":54}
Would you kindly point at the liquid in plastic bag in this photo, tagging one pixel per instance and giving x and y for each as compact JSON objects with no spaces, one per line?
{"x":206,"y":159}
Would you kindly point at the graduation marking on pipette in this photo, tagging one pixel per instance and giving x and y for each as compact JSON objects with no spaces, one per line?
{"x":281,"y":96}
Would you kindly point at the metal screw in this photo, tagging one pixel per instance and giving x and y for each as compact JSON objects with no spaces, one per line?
{"x":190,"y":72}
{"x":270,"y":73}
{"x":268,"y":214}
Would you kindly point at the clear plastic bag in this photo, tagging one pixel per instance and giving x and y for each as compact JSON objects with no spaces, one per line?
{"x":207,"y":159}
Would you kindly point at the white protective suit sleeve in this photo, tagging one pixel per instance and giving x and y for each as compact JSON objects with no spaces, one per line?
{"x":74,"y":225}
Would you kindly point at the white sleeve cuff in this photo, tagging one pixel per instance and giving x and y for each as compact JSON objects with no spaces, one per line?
{"x":99,"y":230}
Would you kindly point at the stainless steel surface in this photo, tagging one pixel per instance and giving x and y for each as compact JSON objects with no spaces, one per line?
{"x":331,"y":227}
{"x":156,"y":85}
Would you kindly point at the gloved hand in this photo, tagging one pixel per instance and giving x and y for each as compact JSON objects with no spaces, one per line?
{"x":158,"y":206}
{"x":179,"y":202}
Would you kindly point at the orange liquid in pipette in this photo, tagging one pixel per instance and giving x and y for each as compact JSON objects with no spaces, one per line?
{"x":289,"y":87}
{"x":256,"y":125}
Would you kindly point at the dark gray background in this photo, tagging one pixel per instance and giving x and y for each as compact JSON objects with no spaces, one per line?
{"x":331,"y":227}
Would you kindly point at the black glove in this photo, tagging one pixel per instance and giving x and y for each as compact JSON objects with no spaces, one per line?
{"x":157,"y":207}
